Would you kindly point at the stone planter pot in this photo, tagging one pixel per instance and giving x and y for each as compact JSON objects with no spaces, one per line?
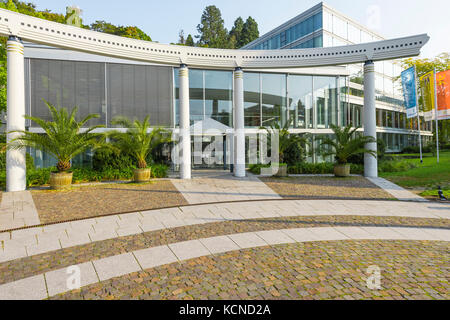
{"x":342,"y":170}
{"x":142,"y":175}
{"x":60,"y":180}
{"x":282,"y":171}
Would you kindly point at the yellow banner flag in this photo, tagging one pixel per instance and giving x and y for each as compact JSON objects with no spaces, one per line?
{"x":427,"y":88}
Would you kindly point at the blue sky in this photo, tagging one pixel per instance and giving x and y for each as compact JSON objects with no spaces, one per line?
{"x":163,"y":19}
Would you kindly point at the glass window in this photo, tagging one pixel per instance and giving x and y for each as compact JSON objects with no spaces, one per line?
{"x":318,"y":21}
{"x":219,"y":96}
{"x":300,"y":101}
{"x":68,"y":84}
{"x":196,"y":104}
{"x":318,"y":42}
{"x":273,"y":99}
{"x":325,"y":95}
{"x":252,"y":112}
{"x":135,"y":91}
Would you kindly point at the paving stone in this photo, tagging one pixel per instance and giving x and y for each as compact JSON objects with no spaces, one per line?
{"x":157,"y":256}
{"x":274,"y":237}
{"x":43,"y":247}
{"x":128,"y":231}
{"x":327,"y":234}
{"x":248,"y":240}
{"x":219,"y":244}
{"x":103,"y":235}
{"x":75,"y":240}
{"x":60,"y":281}
{"x":189,"y":249}
{"x":116,"y":266}
{"x":26,"y":289}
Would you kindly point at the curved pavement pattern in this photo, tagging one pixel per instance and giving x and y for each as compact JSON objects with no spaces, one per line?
{"x":56,"y":282}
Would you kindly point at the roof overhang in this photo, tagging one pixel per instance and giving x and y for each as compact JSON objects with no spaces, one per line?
{"x":69,"y":37}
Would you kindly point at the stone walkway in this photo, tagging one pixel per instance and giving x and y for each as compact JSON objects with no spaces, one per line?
{"x":55,"y":282}
{"x":209,"y":186}
{"x":38,"y":240}
{"x":397,"y":191}
{"x":17,"y":210}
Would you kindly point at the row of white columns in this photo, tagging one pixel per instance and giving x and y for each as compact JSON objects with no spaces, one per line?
{"x":16,"y":160}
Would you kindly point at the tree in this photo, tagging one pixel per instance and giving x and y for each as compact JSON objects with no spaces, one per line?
{"x":181,"y":39}
{"x":250,"y":32}
{"x":63,"y":137}
{"x":128,"y":32}
{"x":190,"y":41}
{"x":236,"y":32}
{"x":423,"y":66}
{"x":346,"y":144}
{"x":212,"y":31}
{"x":137,"y":141}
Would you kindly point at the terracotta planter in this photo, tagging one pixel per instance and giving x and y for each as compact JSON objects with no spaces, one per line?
{"x":60,"y":180}
{"x":342,"y":170}
{"x":282,"y":171}
{"x":142,"y":175}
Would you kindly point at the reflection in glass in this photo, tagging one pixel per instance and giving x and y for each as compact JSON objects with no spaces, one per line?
{"x":300,"y":101}
{"x":273,"y":99}
{"x":219,"y":96}
{"x":325,"y":96}
{"x":252,"y":107}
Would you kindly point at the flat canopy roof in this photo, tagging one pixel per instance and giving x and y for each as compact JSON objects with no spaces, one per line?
{"x":69,"y":37}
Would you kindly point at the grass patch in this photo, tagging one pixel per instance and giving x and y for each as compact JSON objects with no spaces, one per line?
{"x":428,"y":175}
{"x":434,"y":193}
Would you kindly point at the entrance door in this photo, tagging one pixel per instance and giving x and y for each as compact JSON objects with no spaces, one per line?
{"x":209,"y":157}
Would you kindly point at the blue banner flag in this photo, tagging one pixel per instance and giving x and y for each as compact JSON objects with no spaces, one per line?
{"x":409,"y":92}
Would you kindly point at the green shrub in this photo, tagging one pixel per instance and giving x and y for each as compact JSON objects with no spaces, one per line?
{"x":105,"y":159}
{"x":311,"y":168}
{"x":38,"y":177}
{"x":396,"y":166}
{"x":159,"y":170}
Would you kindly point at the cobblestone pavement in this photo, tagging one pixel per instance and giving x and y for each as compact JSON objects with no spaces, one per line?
{"x":325,"y":188}
{"x":29,"y":266}
{"x":93,"y":201}
{"x":318,"y":270}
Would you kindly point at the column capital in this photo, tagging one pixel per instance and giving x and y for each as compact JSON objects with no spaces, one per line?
{"x":14,"y":38}
{"x":368,"y":62}
{"x":238,"y":69}
{"x":183,"y":65}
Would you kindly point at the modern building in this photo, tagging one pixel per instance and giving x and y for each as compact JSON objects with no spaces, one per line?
{"x":201,"y":94}
{"x":322,"y":27}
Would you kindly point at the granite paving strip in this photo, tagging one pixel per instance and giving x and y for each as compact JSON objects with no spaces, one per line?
{"x":220,"y":186}
{"x":93,"y":201}
{"x":397,"y":191}
{"x":20,"y":266}
{"x":313,"y":187}
{"x":17,"y":210}
{"x":301,"y":271}
{"x":119,"y":265}
{"x":49,"y":238}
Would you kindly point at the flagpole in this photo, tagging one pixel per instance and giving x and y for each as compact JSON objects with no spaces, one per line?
{"x":437,"y":120}
{"x":418,"y":117}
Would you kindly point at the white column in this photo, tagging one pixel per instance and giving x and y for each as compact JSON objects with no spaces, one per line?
{"x":370,"y":128}
{"x":15,"y":159}
{"x":239,"y":129}
{"x":185,"y":133}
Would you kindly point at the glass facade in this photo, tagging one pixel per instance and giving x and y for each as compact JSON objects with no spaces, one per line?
{"x":211,"y":96}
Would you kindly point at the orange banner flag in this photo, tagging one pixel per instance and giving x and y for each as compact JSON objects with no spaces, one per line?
{"x":443,"y":94}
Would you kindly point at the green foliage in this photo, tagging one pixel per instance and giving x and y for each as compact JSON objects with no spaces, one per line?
{"x":212,"y":31}
{"x":190,"y":41}
{"x":159,"y":170}
{"x":359,"y":158}
{"x":346,"y":144}
{"x":395,"y":166}
{"x":107,"y":158}
{"x":250,"y":32}
{"x":137,"y":141}
{"x":63,"y":138}
{"x":127,"y":32}
{"x":291,"y":147}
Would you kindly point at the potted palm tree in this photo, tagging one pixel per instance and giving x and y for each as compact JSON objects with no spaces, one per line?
{"x":64,"y":139}
{"x":286,"y":140}
{"x":345,"y":145}
{"x":138,"y":142}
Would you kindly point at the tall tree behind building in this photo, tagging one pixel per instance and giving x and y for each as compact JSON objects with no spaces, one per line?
{"x":212,"y":31}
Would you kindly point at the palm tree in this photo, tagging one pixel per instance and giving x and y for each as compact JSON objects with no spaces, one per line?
{"x":63,"y":138}
{"x":137,"y":141}
{"x":346,"y":144}
{"x":286,"y":139}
